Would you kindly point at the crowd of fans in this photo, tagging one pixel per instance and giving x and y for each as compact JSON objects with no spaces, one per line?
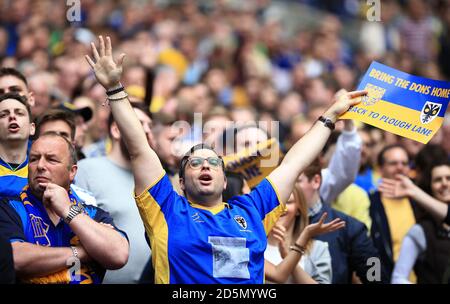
{"x":244,"y":65}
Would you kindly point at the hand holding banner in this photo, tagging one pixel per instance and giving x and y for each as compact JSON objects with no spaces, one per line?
{"x":403,"y":104}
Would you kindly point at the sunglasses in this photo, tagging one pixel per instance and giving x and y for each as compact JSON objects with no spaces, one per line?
{"x":196,"y":162}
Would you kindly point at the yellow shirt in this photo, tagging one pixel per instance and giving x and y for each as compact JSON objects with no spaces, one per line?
{"x":355,"y":202}
{"x":400,"y":217}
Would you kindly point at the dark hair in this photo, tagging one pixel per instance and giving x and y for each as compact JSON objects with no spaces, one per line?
{"x":13,"y":72}
{"x":429,"y":157}
{"x":20,"y":98}
{"x":55,"y":115}
{"x":380,"y":158}
{"x":186,"y":156}
{"x":315,"y":168}
{"x":70,"y":146}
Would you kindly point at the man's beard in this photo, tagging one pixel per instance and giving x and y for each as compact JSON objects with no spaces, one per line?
{"x":124,"y":150}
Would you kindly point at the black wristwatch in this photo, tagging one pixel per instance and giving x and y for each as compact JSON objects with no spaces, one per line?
{"x":327,"y":122}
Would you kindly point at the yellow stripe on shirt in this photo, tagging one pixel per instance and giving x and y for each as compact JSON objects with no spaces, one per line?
{"x":272,"y":217}
{"x":158,"y":232}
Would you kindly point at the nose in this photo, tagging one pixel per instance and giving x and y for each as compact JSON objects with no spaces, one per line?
{"x":205,"y":164}
{"x":12,"y":116}
{"x":41,"y":164}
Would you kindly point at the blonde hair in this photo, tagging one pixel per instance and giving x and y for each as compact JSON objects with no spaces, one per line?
{"x":301,"y":219}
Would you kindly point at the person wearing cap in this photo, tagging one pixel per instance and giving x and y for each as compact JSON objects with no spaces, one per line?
{"x":197,"y":238}
{"x":81,"y":117}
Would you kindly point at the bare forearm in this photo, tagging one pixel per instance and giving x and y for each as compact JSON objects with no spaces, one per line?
{"x":103,"y":244}
{"x":302,"y":277}
{"x":437,"y":208}
{"x":298,"y":158}
{"x":32,"y":260}
{"x":130,"y":128}
{"x":145,"y":163}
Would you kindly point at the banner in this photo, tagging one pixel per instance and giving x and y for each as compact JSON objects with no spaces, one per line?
{"x":255,"y":164}
{"x":403,"y":104}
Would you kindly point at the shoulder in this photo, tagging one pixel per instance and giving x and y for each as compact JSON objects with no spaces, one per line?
{"x":92,"y":162}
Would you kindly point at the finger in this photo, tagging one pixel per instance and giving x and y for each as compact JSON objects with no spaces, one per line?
{"x":335,"y":221}
{"x":388,"y":181}
{"x":120,"y":60}
{"x":340,"y":93}
{"x":322,"y":218}
{"x":43,"y":186}
{"x":355,"y":94}
{"x":401,"y":177}
{"x":102,"y":46}
{"x":89,"y":60}
{"x":279,"y":239}
{"x":95,"y":52}
{"x":108,"y":46}
{"x":337,"y":227}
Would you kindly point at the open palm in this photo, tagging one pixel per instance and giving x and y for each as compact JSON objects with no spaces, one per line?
{"x":106,"y":71}
{"x":321,"y":228}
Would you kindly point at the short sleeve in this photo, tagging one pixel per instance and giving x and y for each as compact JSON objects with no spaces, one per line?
{"x":101,"y":216}
{"x":265,"y":199}
{"x":11,"y":226}
{"x":155,"y":202}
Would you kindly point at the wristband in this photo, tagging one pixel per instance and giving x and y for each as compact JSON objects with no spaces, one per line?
{"x":327,"y":122}
{"x":298,"y":248}
{"x":115,"y":91}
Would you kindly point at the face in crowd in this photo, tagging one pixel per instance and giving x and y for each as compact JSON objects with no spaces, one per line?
{"x":203,"y":178}
{"x":440,"y":183}
{"x":15,"y":124}
{"x":50,"y":161}
{"x":395,"y":161}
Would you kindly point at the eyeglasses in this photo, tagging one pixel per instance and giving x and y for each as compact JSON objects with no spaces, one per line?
{"x":196,"y":162}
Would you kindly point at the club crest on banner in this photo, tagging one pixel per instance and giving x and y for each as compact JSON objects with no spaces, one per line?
{"x":374,"y":94}
{"x":429,"y":112}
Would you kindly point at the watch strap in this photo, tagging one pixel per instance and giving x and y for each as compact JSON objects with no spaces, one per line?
{"x":327,"y":122}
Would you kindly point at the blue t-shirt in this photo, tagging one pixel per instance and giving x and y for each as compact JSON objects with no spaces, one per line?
{"x":196,"y":244}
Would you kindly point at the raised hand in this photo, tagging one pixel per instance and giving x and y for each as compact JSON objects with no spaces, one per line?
{"x":320,"y":227}
{"x":342,"y":101}
{"x":279,"y":233}
{"x":107,"y":71}
{"x":401,"y":186}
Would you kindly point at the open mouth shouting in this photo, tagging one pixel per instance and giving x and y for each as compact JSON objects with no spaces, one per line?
{"x":13,"y":127}
{"x":205,"y":179}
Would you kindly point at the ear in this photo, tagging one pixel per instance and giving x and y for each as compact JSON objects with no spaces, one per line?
{"x":31,"y":101}
{"x":32,"y":128}
{"x":225,"y":181}
{"x":182,"y":184}
{"x":115,"y":132}
{"x":316,"y":181}
{"x":73,"y":172}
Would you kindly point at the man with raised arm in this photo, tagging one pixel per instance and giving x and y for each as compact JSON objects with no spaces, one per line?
{"x":197,"y":238}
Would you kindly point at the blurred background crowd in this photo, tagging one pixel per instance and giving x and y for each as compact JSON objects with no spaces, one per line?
{"x":230,"y":60}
